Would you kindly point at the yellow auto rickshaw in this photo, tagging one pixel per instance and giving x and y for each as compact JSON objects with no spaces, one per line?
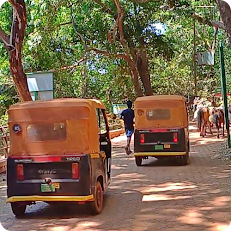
{"x":60,"y":152}
{"x":161,"y":128}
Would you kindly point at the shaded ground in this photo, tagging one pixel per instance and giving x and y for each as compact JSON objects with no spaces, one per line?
{"x":157,"y":196}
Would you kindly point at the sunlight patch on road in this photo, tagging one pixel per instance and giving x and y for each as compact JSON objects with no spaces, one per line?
{"x":87,"y":225}
{"x":190,"y":127}
{"x":168,"y":187}
{"x":118,"y":167}
{"x":220,"y":201}
{"x":155,"y":197}
{"x":61,"y":228}
{"x":220,"y":227}
{"x":191,"y":217}
{"x":119,"y":139}
{"x":205,"y":208}
{"x":130,"y":175}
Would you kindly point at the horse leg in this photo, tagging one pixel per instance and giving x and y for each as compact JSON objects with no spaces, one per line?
{"x":210,"y":130}
{"x":203,"y":129}
{"x":223,"y":129}
{"x":218,"y":132}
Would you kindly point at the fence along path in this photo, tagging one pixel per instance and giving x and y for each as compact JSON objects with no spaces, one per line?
{"x":4,"y":147}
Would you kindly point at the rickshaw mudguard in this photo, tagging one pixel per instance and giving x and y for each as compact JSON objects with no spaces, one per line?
{"x":98,"y":170}
{"x":69,"y":189}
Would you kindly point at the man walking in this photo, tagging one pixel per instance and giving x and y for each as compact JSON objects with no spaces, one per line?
{"x":128,"y":117}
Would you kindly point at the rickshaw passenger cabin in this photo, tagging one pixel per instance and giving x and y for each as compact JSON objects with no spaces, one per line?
{"x":161,"y":127}
{"x":60,"y":151}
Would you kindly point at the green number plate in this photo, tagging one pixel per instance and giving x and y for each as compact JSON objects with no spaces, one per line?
{"x":47,"y":188}
{"x":159,"y":147}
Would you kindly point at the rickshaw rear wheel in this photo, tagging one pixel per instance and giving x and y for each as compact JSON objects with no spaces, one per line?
{"x":96,"y":206}
{"x":18,"y":209}
{"x":185,"y":159}
{"x":138,"y":160}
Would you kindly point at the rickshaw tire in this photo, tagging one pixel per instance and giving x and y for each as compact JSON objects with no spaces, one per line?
{"x":17,"y":209}
{"x":185,"y":159}
{"x":138,"y":160}
{"x":95,"y":207}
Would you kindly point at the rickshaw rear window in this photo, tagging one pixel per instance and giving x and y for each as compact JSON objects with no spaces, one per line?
{"x":158,"y":114}
{"x":46,"y":131}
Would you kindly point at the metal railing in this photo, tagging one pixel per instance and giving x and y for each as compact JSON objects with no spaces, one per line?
{"x":4,"y":140}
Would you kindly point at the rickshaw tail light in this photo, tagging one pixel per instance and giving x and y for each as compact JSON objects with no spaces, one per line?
{"x":75,"y":171}
{"x":175,"y":137}
{"x":20,"y":172}
{"x":142,"y":138}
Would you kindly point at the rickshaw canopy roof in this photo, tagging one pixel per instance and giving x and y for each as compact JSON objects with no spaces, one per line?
{"x":62,"y":102}
{"x":68,"y":125}
{"x":161,"y":97}
{"x":160,"y":111}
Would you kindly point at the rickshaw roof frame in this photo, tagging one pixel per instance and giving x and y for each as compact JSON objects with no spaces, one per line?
{"x":60,"y":102}
{"x":160,"y":97}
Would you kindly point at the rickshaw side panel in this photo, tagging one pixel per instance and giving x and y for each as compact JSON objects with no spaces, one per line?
{"x":98,"y":171}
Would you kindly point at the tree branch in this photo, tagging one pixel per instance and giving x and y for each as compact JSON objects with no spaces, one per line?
{"x":104,"y":7}
{"x":5,"y":39}
{"x":215,"y":38}
{"x":100,"y":52}
{"x":69,"y":67}
{"x":206,"y":43}
{"x":65,"y":23}
{"x":142,"y":1}
{"x":202,"y":20}
{"x":106,"y":53}
{"x":120,"y":22}
{"x":13,"y":3}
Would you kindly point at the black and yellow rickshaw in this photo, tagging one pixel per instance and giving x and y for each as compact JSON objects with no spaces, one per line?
{"x":161,"y":128}
{"x":60,"y":152}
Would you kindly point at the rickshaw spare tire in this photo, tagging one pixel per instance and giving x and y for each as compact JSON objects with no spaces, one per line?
{"x":18,"y":209}
{"x":96,"y":206}
{"x":138,"y":160}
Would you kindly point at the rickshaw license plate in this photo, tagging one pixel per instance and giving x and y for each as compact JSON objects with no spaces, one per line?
{"x":159,"y":147}
{"x":47,"y":188}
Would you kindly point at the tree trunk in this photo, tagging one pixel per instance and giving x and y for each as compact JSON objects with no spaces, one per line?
{"x":135,"y":76}
{"x":225,"y":13}
{"x":13,"y":44}
{"x":85,"y":80}
{"x":19,"y":77}
{"x":142,"y":66}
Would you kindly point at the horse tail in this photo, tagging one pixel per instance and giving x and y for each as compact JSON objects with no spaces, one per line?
{"x":216,"y":120}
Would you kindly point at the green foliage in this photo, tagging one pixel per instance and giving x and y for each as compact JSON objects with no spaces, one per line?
{"x":53,"y":43}
{"x":8,"y":96}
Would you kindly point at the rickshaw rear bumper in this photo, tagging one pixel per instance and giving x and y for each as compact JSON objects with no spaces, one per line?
{"x":50,"y":198}
{"x":160,"y":153}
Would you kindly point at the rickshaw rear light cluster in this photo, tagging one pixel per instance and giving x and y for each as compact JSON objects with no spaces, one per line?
{"x":142,"y":138}
{"x":75,"y":170}
{"x":20,"y":172}
{"x":175,"y":137}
